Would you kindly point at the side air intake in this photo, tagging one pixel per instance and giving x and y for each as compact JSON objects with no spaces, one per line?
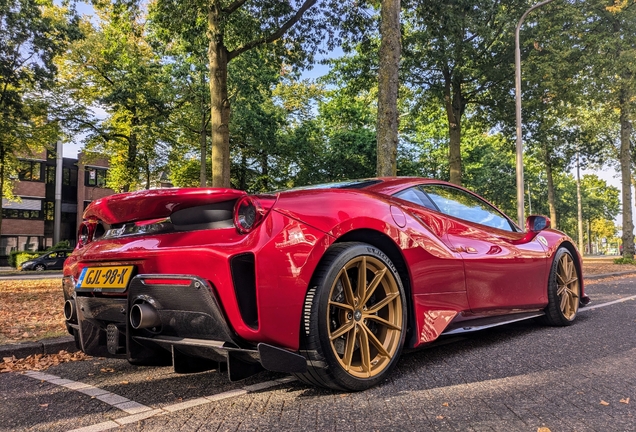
{"x":244,"y":279}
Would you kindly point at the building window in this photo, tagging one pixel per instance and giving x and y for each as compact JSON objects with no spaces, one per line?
{"x":96,"y":177}
{"x":21,"y":214}
{"x":9,"y":244}
{"x":50,"y":174}
{"x":49,"y":210}
{"x":69,"y":177}
{"x":30,"y":171}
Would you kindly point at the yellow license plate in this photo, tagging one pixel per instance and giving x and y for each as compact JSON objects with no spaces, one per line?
{"x":104,"y":278}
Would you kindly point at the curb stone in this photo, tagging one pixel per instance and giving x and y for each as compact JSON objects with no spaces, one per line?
{"x":44,"y":346}
{"x":67,"y":343}
{"x":606,"y":275}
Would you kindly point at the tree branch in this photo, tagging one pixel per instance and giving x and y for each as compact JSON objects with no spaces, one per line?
{"x":274,"y":36}
{"x":233,"y":7}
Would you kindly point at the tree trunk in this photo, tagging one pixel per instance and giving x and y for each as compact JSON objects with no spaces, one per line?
{"x":203,"y":179}
{"x":388,"y":83}
{"x":454,"y":110}
{"x":131,"y":158}
{"x":551,"y":194}
{"x":2,"y":162}
{"x":579,"y":202}
{"x":220,"y":105}
{"x":265,"y":170}
{"x":625,"y":161}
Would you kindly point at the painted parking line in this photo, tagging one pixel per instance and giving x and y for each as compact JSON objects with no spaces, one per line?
{"x":138,"y":411}
{"x":621,"y":300}
{"x":105,"y":396}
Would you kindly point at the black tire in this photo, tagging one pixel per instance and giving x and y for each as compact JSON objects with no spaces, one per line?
{"x":341,"y":316}
{"x":564,"y":290}
{"x":39,"y":267}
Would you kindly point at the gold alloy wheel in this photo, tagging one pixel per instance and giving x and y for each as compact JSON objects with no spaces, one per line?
{"x":568,"y":290}
{"x":365,"y":317}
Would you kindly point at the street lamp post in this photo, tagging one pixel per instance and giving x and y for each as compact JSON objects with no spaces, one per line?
{"x":520,"y":188}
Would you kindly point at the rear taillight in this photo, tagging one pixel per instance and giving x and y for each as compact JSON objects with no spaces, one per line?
{"x":250,"y":211}
{"x":85,"y":233}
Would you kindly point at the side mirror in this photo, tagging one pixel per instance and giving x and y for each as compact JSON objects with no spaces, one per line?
{"x":536,"y":223}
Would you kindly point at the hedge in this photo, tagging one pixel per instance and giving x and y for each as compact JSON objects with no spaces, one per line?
{"x":16,"y":258}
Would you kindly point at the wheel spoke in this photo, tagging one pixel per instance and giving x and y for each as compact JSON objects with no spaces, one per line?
{"x":342,"y":330}
{"x":374,"y":340}
{"x":382,"y":321}
{"x":346,"y":286}
{"x":572,"y":280}
{"x":362,"y":280}
{"x":373,"y":285}
{"x":564,"y":302}
{"x":561,"y":278}
{"x":385,"y":301}
{"x":341,"y":305}
{"x":561,"y":289}
{"x":365,"y":354}
{"x":349,"y":347}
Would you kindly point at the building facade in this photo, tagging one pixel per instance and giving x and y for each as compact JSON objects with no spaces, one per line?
{"x":28,"y":223}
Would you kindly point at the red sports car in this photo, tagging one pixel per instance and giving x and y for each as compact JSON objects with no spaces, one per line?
{"x":328,"y":282}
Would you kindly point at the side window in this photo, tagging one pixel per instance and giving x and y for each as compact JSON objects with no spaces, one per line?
{"x":415,"y":195}
{"x":462,"y":205}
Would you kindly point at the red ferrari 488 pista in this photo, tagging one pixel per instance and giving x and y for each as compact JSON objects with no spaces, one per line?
{"x":328,"y":282}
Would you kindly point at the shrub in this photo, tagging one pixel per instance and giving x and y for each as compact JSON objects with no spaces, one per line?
{"x":64,"y":244}
{"x":624,"y":261}
{"x":16,"y":258}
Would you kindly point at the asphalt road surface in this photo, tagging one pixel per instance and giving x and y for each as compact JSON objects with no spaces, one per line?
{"x":520,"y":377}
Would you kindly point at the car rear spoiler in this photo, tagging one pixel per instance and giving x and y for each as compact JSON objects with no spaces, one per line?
{"x":156,"y":203}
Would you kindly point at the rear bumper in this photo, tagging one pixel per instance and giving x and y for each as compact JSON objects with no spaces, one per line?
{"x":191,"y":325}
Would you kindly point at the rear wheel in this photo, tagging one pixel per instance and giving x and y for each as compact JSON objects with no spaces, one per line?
{"x":354,"y":320}
{"x":564,"y":290}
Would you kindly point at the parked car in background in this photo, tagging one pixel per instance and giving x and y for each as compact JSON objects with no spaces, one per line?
{"x":328,"y":282}
{"x":50,"y":261}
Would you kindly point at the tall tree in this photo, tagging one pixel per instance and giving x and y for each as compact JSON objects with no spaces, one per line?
{"x":460,"y":53}
{"x":611,"y":30}
{"x":115,"y":69}
{"x":32,"y":33}
{"x":292,"y":29}
{"x":388,"y":83}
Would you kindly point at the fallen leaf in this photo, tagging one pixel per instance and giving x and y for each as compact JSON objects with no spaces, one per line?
{"x":440,"y":417}
{"x":625,"y":400}
{"x":604,"y":403}
{"x":125,"y":382}
{"x":44,"y":405}
{"x":543,"y":429}
{"x":107,"y":370}
{"x":445,"y":404}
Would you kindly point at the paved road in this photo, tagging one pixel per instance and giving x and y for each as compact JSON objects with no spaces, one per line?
{"x":515,"y":378}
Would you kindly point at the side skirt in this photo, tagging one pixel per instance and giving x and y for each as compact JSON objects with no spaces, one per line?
{"x":488,"y":322}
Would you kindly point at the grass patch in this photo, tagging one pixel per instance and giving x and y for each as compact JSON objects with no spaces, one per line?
{"x":625,"y":261}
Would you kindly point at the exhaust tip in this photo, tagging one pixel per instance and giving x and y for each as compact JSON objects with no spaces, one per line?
{"x":69,"y":310}
{"x":142,"y":315}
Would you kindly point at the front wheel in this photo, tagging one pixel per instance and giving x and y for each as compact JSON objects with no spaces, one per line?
{"x":40,"y":267}
{"x":354,"y":321}
{"x":564,"y":290}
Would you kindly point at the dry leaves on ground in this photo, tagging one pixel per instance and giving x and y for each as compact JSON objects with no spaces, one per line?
{"x":40,"y":362}
{"x":31,"y":310}
{"x":603,"y":268}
